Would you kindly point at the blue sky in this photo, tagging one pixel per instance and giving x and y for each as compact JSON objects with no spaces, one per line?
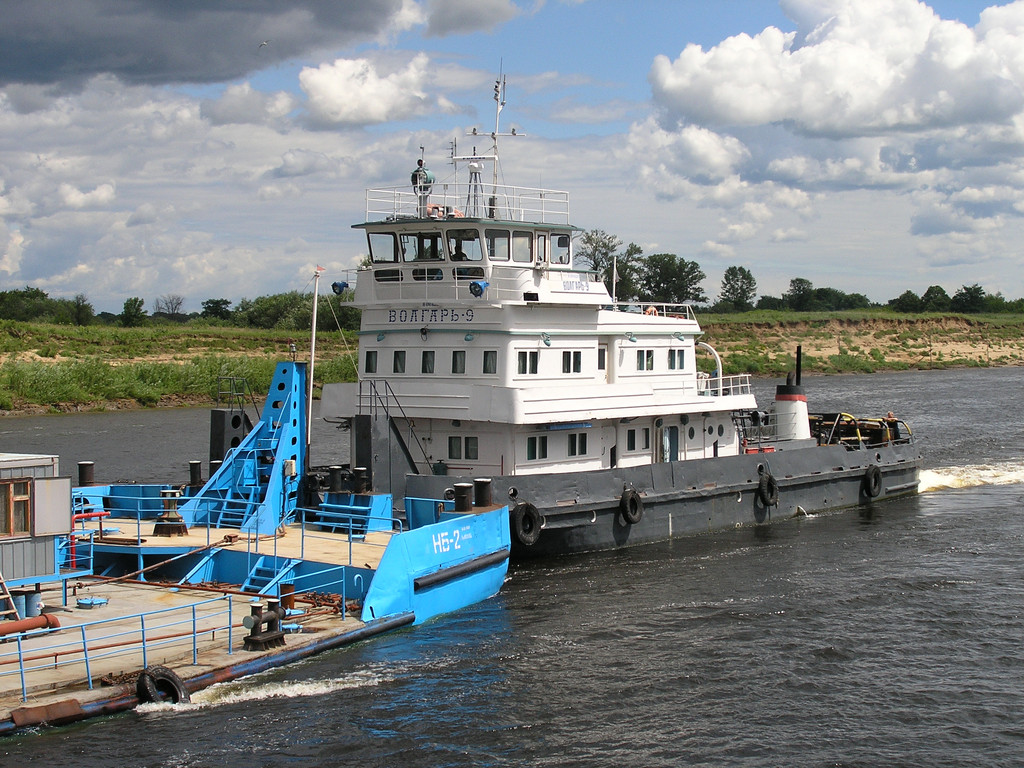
{"x":152,"y":148}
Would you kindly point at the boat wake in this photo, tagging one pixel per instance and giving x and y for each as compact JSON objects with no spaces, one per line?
{"x":970,"y":476}
{"x":229,"y":694}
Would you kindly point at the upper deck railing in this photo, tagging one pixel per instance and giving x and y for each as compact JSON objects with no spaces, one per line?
{"x":471,"y":200}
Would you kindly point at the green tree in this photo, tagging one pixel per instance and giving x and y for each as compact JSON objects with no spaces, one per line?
{"x":800,"y":296}
{"x":596,"y":250}
{"x":935,"y":299}
{"x":83,"y":311}
{"x":132,"y":313}
{"x":969,"y":299}
{"x":739,"y":288}
{"x":666,"y":278}
{"x":216,"y":309}
{"x":908,"y":301}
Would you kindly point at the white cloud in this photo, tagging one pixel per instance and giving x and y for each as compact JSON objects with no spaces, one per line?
{"x":853,"y":68}
{"x":353,"y":92}
{"x":242,"y":104}
{"x":75,"y":198}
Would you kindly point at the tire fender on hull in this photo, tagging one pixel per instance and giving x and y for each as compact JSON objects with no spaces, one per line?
{"x":768,"y":489}
{"x":158,"y":684}
{"x":526,"y":523}
{"x":872,"y":482}
{"x":631,"y":506}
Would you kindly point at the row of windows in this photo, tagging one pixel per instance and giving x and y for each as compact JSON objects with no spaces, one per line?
{"x":527,"y":361}
{"x":15,"y":502}
{"x":427,"y":358}
{"x":645,"y":359}
{"x":464,"y":244}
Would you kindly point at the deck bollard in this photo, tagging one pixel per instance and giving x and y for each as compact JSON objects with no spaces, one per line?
{"x":195,"y":473}
{"x":86,"y":471}
{"x":482,"y":492}
{"x":463,"y":497}
{"x":260,"y":639}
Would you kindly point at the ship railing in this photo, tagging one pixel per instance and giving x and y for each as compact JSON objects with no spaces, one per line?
{"x":656,"y":309}
{"x":85,"y":652}
{"x":458,"y":200}
{"x":709,"y":385}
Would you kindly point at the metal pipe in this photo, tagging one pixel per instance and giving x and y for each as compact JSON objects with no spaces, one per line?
{"x":46,"y":621}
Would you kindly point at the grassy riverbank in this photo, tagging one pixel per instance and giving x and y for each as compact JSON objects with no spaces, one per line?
{"x":63,"y":368}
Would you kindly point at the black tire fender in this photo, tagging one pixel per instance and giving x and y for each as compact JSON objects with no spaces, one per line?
{"x":872,"y":481}
{"x":768,"y":489}
{"x":631,"y":506}
{"x":160,"y":684}
{"x":526,"y":523}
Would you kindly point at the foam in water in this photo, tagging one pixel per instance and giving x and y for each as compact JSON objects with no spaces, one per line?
{"x":1000,"y":473}
{"x":252,"y":689}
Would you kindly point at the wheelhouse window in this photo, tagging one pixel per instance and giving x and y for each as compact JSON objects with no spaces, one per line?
{"x":536,"y":447}
{"x":522,"y":247}
{"x":497,"y":244}
{"x":645,"y":359}
{"x":464,"y":245}
{"x":675,"y":359}
{"x":370,"y":366}
{"x":427,"y":361}
{"x":398,"y":361}
{"x":577,"y":443}
{"x":490,"y":361}
{"x":527,"y":362}
{"x":420,"y":246}
{"x":382,"y":247}
{"x":15,"y":504}
{"x":459,"y":361}
{"x":559,"y":249}
{"x":572,"y":362}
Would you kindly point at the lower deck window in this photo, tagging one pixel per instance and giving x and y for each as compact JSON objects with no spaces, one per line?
{"x":577,"y":443}
{"x":536,"y":447}
{"x":460,"y":447}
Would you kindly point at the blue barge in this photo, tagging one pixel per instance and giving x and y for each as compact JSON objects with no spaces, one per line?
{"x":152,"y":592}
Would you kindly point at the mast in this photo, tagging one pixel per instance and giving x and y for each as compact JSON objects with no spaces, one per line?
{"x":312,"y":358}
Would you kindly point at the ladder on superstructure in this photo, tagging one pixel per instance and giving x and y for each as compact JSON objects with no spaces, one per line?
{"x":7,"y":607}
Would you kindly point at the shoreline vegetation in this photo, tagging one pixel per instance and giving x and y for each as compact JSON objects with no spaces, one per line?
{"x":60,"y":369}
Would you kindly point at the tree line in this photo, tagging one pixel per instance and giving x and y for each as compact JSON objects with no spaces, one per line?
{"x":632,"y":276}
{"x":629,"y":275}
{"x":285,"y":311}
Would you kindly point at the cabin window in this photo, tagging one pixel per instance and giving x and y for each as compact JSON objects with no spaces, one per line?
{"x":15,"y":503}
{"x":398,"y":361}
{"x":572,"y":362}
{"x":646,"y":434}
{"x":528,"y":362}
{"x":522,"y":247}
{"x":472,"y":451}
{"x":675,"y":359}
{"x":420,"y":246}
{"x":459,"y":361}
{"x":577,"y":443}
{"x":542,"y":248}
{"x":497,"y":244}
{"x":630,"y":439}
{"x":464,"y":245}
{"x":427,"y":361}
{"x":601,"y":362}
{"x":371,"y":361}
{"x":382,"y":247}
{"x":645,"y":359}
{"x":433,"y":273}
{"x":454,"y":447}
{"x":536,"y":447}
{"x":490,"y":361}
{"x":559,"y":249}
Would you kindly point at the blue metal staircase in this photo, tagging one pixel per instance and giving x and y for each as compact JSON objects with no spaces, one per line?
{"x":267,"y":573}
{"x":256,"y":488}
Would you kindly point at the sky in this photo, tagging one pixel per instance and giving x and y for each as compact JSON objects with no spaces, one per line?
{"x":214,"y":149}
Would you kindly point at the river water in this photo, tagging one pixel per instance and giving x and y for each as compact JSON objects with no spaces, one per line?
{"x":882,"y":638}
